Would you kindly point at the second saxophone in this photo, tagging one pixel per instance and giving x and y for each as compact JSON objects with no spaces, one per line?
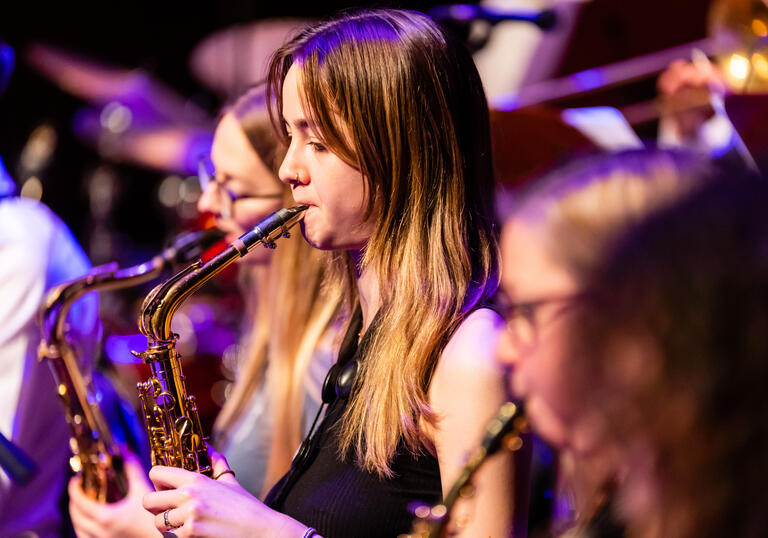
{"x":95,"y":454}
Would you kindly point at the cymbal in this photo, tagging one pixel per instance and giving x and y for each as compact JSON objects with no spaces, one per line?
{"x":149,"y":100}
{"x":237,"y":58}
{"x":174,"y":148}
{"x":134,"y":118}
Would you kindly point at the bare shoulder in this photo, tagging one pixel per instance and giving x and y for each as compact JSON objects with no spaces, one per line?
{"x":467,"y":372}
{"x":474,"y":342}
{"x":466,"y":390}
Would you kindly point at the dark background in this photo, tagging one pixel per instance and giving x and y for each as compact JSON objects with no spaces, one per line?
{"x":158,"y":36}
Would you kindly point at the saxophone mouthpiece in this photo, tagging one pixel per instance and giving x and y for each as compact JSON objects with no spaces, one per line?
{"x":189,"y":246}
{"x":274,"y":226}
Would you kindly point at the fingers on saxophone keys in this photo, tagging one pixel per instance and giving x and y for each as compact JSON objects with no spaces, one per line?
{"x":221,"y":469}
{"x":218,"y":461}
{"x":171,"y":477}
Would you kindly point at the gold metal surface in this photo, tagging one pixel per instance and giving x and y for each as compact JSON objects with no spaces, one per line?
{"x":95,"y":455}
{"x":170,"y":415}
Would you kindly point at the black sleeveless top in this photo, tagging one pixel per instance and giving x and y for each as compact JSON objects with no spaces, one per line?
{"x":338,"y":498}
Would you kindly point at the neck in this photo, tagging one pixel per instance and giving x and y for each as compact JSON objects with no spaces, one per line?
{"x":367,"y":289}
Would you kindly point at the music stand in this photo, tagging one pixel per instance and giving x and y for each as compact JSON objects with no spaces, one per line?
{"x":749,"y":115}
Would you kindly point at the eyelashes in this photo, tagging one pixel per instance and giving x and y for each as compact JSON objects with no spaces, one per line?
{"x":307,"y":135}
{"x":317,"y":147}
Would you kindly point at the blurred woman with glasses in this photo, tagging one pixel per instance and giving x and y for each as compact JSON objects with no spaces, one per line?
{"x":670,"y":364}
{"x":554,"y":237}
{"x":289,"y":329}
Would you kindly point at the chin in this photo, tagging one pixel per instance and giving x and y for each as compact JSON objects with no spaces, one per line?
{"x":313,"y":239}
{"x":329,"y":241}
{"x":546,"y":423}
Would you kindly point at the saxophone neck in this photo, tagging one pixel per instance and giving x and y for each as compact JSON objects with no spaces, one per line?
{"x":52,"y":315}
{"x":165,"y":299}
{"x":189,"y":246}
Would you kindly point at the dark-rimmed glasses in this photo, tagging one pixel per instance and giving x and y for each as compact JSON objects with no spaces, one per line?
{"x":207,"y":175}
{"x":524,"y":318}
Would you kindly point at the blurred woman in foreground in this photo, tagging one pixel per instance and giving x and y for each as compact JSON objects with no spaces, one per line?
{"x":669,"y":364}
{"x":552,"y":242}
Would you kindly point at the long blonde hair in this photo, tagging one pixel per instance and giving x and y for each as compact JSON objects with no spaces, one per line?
{"x":397,"y":99}
{"x":580,"y":208}
{"x":288,"y":312}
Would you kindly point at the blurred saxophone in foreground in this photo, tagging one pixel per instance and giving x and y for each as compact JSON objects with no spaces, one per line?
{"x":173,"y":426}
{"x":503,"y":432}
{"x":95,"y":455}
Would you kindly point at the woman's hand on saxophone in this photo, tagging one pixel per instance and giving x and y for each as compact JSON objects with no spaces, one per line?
{"x":191,"y":504}
{"x":125,"y":518}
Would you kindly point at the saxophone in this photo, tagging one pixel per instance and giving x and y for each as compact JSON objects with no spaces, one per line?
{"x":95,"y":454}
{"x":170,"y":415}
{"x":503,"y":431}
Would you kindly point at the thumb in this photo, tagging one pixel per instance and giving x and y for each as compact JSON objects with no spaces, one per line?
{"x":220,"y":465}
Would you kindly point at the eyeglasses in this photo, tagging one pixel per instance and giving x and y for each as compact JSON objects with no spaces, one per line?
{"x":207,"y":175}
{"x":525,"y":318}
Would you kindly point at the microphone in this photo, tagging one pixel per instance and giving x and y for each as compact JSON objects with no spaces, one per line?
{"x":465,"y":13}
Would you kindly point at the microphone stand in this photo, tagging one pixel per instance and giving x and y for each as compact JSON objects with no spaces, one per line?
{"x":466,"y":13}
{"x":15,"y":463}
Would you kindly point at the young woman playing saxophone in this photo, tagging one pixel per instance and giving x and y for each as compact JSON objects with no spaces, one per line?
{"x":389,"y":147}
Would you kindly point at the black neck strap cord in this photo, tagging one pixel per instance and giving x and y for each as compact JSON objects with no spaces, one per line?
{"x":337,"y":385}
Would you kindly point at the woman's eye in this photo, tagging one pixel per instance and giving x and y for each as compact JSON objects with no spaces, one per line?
{"x":317,"y":146}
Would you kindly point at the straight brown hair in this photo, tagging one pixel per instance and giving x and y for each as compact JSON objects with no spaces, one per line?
{"x":393,"y":96}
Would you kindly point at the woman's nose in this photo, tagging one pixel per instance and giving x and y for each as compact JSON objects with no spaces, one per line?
{"x":507,"y":351}
{"x":291,"y":172}
{"x":510,"y":355}
{"x":209,"y":201}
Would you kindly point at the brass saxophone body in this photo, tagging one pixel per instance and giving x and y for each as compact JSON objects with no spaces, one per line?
{"x":95,"y":455}
{"x":504,"y":431}
{"x":170,"y":415}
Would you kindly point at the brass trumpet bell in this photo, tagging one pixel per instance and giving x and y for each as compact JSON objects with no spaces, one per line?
{"x":740,"y":29}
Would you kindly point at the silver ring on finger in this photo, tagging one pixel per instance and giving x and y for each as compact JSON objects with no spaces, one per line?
{"x":167,"y":522}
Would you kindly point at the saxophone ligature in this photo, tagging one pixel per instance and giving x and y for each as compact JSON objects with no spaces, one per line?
{"x":95,"y":456}
{"x":170,"y":415}
{"x":504,"y":431}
